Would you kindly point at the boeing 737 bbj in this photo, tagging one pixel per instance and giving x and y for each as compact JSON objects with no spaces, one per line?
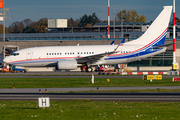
{"x":72,"y":57}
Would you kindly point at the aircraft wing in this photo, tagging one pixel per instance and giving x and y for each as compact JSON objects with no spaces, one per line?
{"x":93,"y":58}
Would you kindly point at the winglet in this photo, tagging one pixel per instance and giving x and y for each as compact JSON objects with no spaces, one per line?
{"x":121,"y":44}
{"x":112,"y":43}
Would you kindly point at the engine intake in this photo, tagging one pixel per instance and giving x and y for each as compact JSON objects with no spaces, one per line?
{"x":67,"y":65}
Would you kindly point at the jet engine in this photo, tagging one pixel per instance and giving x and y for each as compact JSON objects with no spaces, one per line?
{"x":67,"y":65}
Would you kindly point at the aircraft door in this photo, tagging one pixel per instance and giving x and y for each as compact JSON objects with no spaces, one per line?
{"x":28,"y":54}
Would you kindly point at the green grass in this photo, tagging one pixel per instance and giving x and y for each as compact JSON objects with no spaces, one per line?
{"x":81,"y":82}
{"x":90,"y":110}
{"x":125,"y":91}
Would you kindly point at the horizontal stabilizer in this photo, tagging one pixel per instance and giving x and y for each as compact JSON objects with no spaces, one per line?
{"x":165,"y":45}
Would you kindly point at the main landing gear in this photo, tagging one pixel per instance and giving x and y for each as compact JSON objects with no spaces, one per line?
{"x":89,"y":69}
{"x":86,"y":69}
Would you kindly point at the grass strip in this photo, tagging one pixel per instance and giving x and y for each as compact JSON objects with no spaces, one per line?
{"x":90,"y":110}
{"x":125,"y":91}
{"x":81,"y":82}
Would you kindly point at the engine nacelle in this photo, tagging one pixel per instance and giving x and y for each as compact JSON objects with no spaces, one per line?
{"x":67,"y":65}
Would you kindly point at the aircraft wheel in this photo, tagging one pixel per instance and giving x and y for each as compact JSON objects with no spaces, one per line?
{"x":23,"y":71}
{"x":89,"y":69}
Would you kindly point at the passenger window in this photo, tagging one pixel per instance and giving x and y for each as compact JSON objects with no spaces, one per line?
{"x":57,"y":53}
{"x":15,"y":54}
{"x":49,"y":53}
{"x":54,"y":53}
{"x":92,"y":52}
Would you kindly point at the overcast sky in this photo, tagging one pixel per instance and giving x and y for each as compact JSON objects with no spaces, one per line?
{"x":58,"y":9}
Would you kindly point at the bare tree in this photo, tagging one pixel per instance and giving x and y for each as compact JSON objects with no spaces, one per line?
{"x":17,"y":27}
{"x":27,"y":22}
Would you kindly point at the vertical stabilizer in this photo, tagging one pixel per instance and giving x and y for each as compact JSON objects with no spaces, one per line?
{"x":156,"y":33}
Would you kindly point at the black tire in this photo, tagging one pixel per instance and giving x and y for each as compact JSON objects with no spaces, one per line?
{"x":89,"y":69}
{"x":23,"y":71}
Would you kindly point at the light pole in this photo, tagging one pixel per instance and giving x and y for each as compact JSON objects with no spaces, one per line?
{"x":175,"y":65}
{"x":108,"y":18}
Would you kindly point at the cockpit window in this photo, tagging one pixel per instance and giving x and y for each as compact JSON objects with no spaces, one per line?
{"x":15,"y":54}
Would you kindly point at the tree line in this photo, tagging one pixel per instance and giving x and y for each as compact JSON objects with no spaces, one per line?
{"x":177,"y":20}
{"x":29,"y":26}
{"x":26,"y":26}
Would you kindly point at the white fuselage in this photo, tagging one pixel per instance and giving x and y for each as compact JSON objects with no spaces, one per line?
{"x":48,"y":56}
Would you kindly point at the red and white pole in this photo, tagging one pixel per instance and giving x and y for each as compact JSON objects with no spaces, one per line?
{"x":174,"y":34}
{"x":108,"y":18}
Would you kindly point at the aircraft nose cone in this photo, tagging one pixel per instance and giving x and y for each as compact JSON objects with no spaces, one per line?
{"x":5,"y":60}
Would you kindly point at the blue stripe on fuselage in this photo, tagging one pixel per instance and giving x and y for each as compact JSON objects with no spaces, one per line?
{"x":162,"y":41}
{"x":147,"y":50}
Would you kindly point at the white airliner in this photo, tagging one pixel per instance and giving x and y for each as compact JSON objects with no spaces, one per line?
{"x":72,"y":57}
